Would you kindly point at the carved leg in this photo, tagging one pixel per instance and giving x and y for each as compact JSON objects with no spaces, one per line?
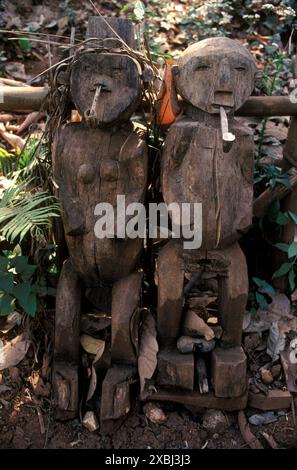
{"x":170,"y":276}
{"x":115,"y":399}
{"x":233,"y":293}
{"x":66,"y":353}
{"x":125,"y":300}
{"x":174,"y":369}
{"x":229,"y":365}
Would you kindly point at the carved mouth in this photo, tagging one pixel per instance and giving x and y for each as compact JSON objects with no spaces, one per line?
{"x":104,"y":88}
{"x":223,"y":98}
{"x":216,"y":106}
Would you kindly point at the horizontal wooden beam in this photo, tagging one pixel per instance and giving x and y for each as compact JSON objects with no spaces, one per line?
{"x":25,"y":98}
{"x":267,"y":106}
{"x":30,"y":98}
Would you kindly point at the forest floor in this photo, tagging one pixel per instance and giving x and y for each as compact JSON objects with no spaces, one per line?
{"x":26,"y":414}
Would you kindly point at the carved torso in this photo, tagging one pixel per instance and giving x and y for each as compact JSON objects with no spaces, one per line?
{"x":93,"y":166}
{"x":195,"y":169}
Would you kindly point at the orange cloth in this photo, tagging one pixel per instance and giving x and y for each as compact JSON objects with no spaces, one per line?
{"x":166,"y":115}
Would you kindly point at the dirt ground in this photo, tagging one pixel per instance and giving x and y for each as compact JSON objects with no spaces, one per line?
{"x":27,"y":422}
{"x":20,"y":429}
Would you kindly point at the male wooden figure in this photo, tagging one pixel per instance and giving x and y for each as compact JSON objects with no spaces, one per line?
{"x":204,"y":161}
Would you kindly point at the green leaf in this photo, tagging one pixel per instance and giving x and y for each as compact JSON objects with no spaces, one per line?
{"x":292,"y":251}
{"x":26,"y":297}
{"x":24,"y":44}
{"x":262,"y":302}
{"x":293,"y":216}
{"x":31,"y":305}
{"x":284,"y":269}
{"x":7,"y":304}
{"x":264,"y":285}
{"x":3,"y":263}
{"x":282,"y":246}
{"x":292,"y":277}
{"x":21,"y":292}
{"x":23,"y":212}
{"x":282,"y":218}
{"x":6,"y":282}
{"x":20,"y":263}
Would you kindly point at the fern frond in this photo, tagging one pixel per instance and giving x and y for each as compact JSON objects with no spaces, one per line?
{"x":23,"y":211}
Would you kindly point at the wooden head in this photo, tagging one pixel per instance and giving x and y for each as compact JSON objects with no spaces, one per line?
{"x":105,"y":87}
{"x":215,"y":72}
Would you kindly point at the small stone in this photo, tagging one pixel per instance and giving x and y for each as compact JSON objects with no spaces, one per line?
{"x":266,"y":376}
{"x":276,"y":371}
{"x":215,"y":421}
{"x":154,"y":413}
{"x":216,"y":436}
{"x":90,"y":421}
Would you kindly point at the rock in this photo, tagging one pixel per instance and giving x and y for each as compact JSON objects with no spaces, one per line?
{"x":215,"y":421}
{"x":276,"y":371}
{"x":90,"y":421}
{"x":187,"y":344}
{"x":154,"y":413}
{"x":266,"y":376}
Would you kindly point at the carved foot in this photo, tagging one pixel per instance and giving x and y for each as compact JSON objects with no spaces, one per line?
{"x":65,"y":390}
{"x":229,"y":372}
{"x":175,"y":369}
{"x":115,"y":398}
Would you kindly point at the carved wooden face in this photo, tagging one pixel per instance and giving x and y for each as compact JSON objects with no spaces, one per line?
{"x":105,"y":87}
{"x":215,"y":72}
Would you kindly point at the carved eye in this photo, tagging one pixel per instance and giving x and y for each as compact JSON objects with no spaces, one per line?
{"x":201,"y":67}
{"x":241,"y":68}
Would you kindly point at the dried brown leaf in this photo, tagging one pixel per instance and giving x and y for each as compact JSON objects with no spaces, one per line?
{"x":148,"y":350}
{"x":14,"y":351}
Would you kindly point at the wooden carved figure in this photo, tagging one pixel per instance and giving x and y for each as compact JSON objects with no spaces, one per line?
{"x":95,"y":160}
{"x":208,"y":158}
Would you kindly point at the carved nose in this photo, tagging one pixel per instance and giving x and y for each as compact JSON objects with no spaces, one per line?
{"x":224,"y":77}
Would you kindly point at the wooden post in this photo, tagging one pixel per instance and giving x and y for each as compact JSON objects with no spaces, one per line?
{"x":98,"y":28}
